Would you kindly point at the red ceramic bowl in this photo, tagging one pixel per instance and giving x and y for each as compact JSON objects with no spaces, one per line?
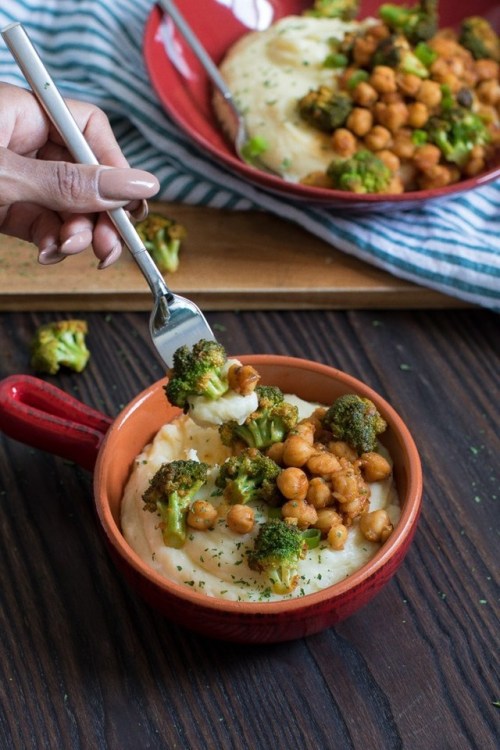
{"x":36,"y":413}
{"x":185,"y":90}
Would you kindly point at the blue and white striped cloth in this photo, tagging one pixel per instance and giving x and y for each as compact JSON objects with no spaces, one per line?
{"x":93,"y":49}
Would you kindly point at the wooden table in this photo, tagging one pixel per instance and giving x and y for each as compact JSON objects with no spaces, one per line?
{"x":85,"y":664}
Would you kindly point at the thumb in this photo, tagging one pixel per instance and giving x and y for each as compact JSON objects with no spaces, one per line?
{"x":64,"y":186}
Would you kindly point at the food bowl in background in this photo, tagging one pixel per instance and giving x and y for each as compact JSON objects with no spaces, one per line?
{"x":185,"y":91}
{"x":41,"y":415}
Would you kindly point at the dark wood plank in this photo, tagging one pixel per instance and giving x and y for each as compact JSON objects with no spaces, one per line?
{"x":85,"y":664}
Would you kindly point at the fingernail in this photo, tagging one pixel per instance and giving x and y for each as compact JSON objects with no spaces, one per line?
{"x":50,"y":255}
{"x":76,"y":243}
{"x":110,"y":257}
{"x":120,"y":184}
{"x":141,"y":212}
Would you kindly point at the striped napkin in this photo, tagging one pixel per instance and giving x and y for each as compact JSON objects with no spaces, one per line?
{"x":93,"y":49}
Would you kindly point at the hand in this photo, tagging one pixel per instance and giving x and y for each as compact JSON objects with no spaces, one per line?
{"x":47,"y":199}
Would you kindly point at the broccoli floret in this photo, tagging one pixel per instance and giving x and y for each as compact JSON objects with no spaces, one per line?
{"x":418,"y":22}
{"x":478,"y":36}
{"x":60,"y":343}
{"x":162,"y":238}
{"x":270,"y":423}
{"x":364,"y":172}
{"x":277,"y":551}
{"x":455,"y":132}
{"x":343,"y":9}
{"x":170,"y":493}
{"x":356,"y":421}
{"x":250,"y":475}
{"x":325,"y":109}
{"x":395,"y":52}
{"x":199,"y":371}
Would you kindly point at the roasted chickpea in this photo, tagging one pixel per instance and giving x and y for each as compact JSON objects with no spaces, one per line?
{"x":364,"y":94}
{"x":346,"y":483}
{"x":327,"y":517}
{"x":363,"y":49}
{"x":319,"y":494}
{"x":488,"y":92}
{"x":396,"y":116}
{"x":275,"y":451}
{"x":201,"y":515}
{"x":390,"y":160}
{"x":383,"y":79}
{"x":306,"y":515}
{"x":317,"y":179}
{"x":376,"y":525}
{"x":354,"y":508}
{"x":418,"y":114}
{"x":240,"y":519}
{"x":408,"y":84}
{"x":429,"y":94}
{"x":487,"y":70}
{"x":344,"y":143}
{"x":243,"y":378}
{"x":439,"y":175}
{"x":293,"y":483}
{"x":374,"y":466}
{"x":296,"y":451}
{"x":403,"y":145}
{"x":323,"y":463}
{"x":360,"y":121}
{"x":378,"y":138}
{"x":342,"y":449}
{"x":337,"y":536}
{"x":306,"y":430}
{"x":426,"y":156}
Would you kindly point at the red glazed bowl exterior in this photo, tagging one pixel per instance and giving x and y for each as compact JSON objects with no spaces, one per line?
{"x":255,"y":622}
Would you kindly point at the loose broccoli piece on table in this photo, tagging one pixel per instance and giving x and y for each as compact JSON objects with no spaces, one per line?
{"x":249,"y":476}
{"x":479,"y":37}
{"x":455,"y":132}
{"x":277,"y":551}
{"x":418,"y":22}
{"x":270,"y":423}
{"x":199,"y":371}
{"x":162,"y":238}
{"x":60,"y":343}
{"x":325,"y":109}
{"x":355,"y":420}
{"x":170,"y":493}
{"x":364,"y":172}
{"x":343,"y":9}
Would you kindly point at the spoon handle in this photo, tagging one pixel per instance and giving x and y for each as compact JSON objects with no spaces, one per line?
{"x":200,"y":52}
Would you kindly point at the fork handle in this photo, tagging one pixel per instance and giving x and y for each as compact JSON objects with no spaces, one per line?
{"x":57,"y":110}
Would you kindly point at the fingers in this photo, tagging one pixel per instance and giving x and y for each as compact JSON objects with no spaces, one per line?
{"x":77,"y":188}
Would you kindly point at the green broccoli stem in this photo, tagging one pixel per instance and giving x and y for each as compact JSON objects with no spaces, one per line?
{"x":242,"y":489}
{"x":173,"y":516}
{"x":215,"y":386}
{"x":282,"y":579}
{"x":70,"y":352}
{"x":260,"y":433}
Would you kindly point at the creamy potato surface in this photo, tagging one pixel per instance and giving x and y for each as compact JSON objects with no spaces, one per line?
{"x":214,"y":561}
{"x":268,"y":72}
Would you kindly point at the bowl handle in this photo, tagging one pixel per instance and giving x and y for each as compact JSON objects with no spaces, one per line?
{"x":41,"y":415}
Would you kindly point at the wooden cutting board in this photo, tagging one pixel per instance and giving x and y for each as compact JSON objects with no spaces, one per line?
{"x":229,"y":261}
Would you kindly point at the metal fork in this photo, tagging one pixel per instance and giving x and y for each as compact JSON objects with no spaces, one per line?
{"x":174,"y":320}
{"x":240,"y":137}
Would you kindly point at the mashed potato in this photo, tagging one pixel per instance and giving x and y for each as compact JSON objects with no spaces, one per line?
{"x":214,"y":561}
{"x":267,"y":72}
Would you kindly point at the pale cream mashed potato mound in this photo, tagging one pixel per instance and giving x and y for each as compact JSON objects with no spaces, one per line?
{"x":214,"y":561}
{"x":267,"y":73}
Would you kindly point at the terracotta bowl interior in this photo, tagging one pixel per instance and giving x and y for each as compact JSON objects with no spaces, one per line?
{"x":142,"y":418}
